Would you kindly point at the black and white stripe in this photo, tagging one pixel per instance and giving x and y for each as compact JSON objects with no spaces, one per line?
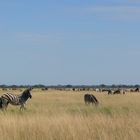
{"x":15,"y":99}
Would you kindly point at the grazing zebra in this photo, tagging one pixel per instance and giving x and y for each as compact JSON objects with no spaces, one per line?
{"x":110,"y":92}
{"x":117,"y":92}
{"x":136,"y":90}
{"x":89,"y":98}
{"x":21,"y":99}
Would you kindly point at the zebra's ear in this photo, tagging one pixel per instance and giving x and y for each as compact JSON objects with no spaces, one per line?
{"x":30,"y":88}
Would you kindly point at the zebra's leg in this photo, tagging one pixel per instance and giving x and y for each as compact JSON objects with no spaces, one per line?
{"x":92,"y":102}
{"x":4,"y":104}
{"x":22,"y":107}
{"x":96,"y":103}
{"x":89,"y":102}
{"x":85,"y":102}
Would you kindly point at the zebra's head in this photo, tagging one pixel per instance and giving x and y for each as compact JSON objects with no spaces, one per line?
{"x":27,"y":94}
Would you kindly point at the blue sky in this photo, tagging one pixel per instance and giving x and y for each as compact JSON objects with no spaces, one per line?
{"x":70,"y":42}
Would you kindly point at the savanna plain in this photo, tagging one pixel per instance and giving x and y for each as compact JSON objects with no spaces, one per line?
{"x":63,"y":115}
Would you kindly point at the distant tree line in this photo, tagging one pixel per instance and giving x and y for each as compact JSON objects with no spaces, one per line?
{"x":69,"y":86}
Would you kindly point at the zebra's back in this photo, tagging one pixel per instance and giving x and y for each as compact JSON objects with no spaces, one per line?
{"x":11,"y":98}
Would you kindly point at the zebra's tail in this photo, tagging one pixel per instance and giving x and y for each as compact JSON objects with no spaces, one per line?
{"x":0,"y":103}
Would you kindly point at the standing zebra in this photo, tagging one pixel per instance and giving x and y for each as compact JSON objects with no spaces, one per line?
{"x":21,"y":99}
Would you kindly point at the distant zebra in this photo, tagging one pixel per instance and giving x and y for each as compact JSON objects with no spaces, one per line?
{"x":110,"y":92}
{"x":136,"y":90}
{"x":89,"y":98}
{"x":21,"y":99}
{"x":117,"y":92}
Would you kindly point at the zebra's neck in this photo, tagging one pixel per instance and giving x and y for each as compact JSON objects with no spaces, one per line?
{"x":23,"y":97}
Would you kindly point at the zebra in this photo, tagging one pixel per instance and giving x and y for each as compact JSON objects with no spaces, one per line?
{"x":110,"y":91}
{"x":89,"y":98}
{"x":21,"y":99}
{"x":136,"y":90}
{"x":119,"y":91}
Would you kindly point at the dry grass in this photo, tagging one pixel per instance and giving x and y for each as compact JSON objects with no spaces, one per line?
{"x":62,"y":115}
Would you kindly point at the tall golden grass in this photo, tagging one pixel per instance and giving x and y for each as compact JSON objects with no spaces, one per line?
{"x":62,"y":115}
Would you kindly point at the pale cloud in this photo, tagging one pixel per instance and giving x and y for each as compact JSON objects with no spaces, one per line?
{"x":114,"y":12}
{"x":116,"y":9}
{"x":28,"y":36}
{"x":47,"y":39}
{"x":133,"y":1}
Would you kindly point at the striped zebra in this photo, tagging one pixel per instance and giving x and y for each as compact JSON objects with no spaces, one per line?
{"x":90,"y":98}
{"x":21,"y":99}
